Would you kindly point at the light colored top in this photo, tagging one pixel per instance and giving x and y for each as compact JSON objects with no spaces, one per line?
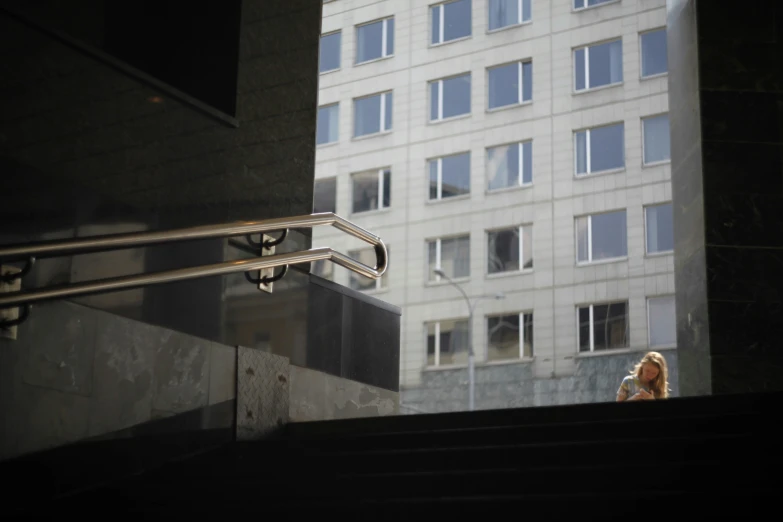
{"x":630,"y":386}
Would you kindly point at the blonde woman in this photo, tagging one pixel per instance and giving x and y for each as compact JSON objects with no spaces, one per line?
{"x":649,"y":380}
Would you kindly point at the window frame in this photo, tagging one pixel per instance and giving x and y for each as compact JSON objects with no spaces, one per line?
{"x":520,"y":90}
{"x":521,"y":235}
{"x":641,"y":55}
{"x":521,"y":21}
{"x":521,"y":343}
{"x":439,"y":259}
{"x":649,"y":323}
{"x":646,"y":243}
{"x":439,"y":160}
{"x":339,"y":52}
{"x":590,"y":260}
{"x":442,"y":24}
{"x":586,"y":7}
{"x":592,"y":306}
{"x":337,"y":139}
{"x":440,"y":83}
{"x":383,"y":115}
{"x":644,"y":147}
{"x":520,"y":176}
{"x":437,"y":324}
{"x":588,"y":155}
{"x":384,"y":40}
{"x":381,"y":190}
{"x":587,"y":47}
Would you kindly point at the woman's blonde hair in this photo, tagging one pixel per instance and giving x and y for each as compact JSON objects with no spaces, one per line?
{"x":660,"y":385}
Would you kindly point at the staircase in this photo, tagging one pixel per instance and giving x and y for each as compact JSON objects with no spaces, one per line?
{"x":681,"y":459}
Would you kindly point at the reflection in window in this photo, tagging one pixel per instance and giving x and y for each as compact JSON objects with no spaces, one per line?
{"x":660,"y":228}
{"x":371,"y":190}
{"x":449,"y":176}
{"x":329,"y":52}
{"x":657,"y":144}
{"x":447,"y":343}
{"x":662,"y":322}
{"x":505,"y":13}
{"x":600,"y":149}
{"x":450,"y":97}
{"x":450,"y":21}
{"x":375,"y":40}
{"x":324,"y":194}
{"x":510,"y":165}
{"x":598,"y":65}
{"x":654,"y":60}
{"x":327,"y":124}
{"x":510,"y":84}
{"x":581,"y":4}
{"x":450,"y":255}
{"x":603,"y":326}
{"x":369,"y":258}
{"x":507,"y":253}
{"x":601,"y":236}
{"x":505,"y":339}
{"x":372,"y":114}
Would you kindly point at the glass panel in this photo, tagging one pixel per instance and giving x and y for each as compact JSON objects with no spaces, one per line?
{"x":457,"y":20}
{"x":453,"y":342}
{"x":386,"y":188}
{"x":455,"y":175}
{"x":327,"y":124}
{"x":503,"y":252}
{"x":657,"y":143}
{"x":389,"y":111}
{"x":329,"y":52}
{"x":435,"y":23}
{"x":579,"y":4}
{"x":581,"y":152}
{"x":359,"y":282}
{"x":367,"y":115}
{"x":606,"y":63}
{"x":503,"y":166}
{"x":324,"y":191}
{"x":527,"y":162}
{"x":663,"y":321}
{"x":432,"y":260}
{"x":431,"y":344}
{"x":369,"y":42}
{"x":434,"y":101}
{"x":660,"y":229}
{"x":390,"y":37}
{"x":455,"y":257}
{"x":527,"y":81}
{"x":527,"y":246}
{"x":504,"y":85}
{"x":582,"y":247}
{"x":607,"y":148}
{"x":503,"y":13}
{"x":527,"y":349}
{"x":579,"y":69}
{"x":456,"y":96}
{"x":654,"y":60}
{"x":433,"y":179}
{"x":503,"y":337}
{"x":610,"y":328}
{"x":609,"y":236}
{"x":365,"y":191}
{"x":527,"y":10}
{"x":584,"y":329}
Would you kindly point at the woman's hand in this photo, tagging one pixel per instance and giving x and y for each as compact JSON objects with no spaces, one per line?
{"x":646,"y":396}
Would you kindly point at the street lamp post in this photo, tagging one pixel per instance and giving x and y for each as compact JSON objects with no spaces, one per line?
{"x":471,"y":354}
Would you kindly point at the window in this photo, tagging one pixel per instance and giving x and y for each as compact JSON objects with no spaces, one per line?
{"x":450,"y":255}
{"x":324,"y":193}
{"x":505,"y":338}
{"x":510,"y":165}
{"x":371,"y":190}
{"x":323,"y":268}
{"x":450,"y":21}
{"x":510,"y":84}
{"x":506,"y":249}
{"x":505,"y":13}
{"x":603,"y":326}
{"x":657,"y":145}
{"x":369,"y":258}
{"x":375,"y":40}
{"x":329,"y":52}
{"x":600,"y":149}
{"x":661,"y":322}
{"x":449,"y":176}
{"x":654,"y":60}
{"x":447,"y":343}
{"x":327,"y":124}
{"x":450,"y":97}
{"x":598,"y":65}
{"x":372,"y":114}
{"x":582,"y":4}
{"x":660,"y":228}
{"x":601,"y":236}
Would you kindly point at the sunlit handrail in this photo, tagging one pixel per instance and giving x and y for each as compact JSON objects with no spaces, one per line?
{"x":104,"y":243}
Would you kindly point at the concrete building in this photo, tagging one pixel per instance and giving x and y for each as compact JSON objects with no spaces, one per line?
{"x":523,"y":147}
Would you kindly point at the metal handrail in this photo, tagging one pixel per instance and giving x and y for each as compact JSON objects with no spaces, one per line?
{"x":105,"y":243}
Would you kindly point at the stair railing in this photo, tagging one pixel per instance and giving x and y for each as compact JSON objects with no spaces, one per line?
{"x":29,"y":253}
